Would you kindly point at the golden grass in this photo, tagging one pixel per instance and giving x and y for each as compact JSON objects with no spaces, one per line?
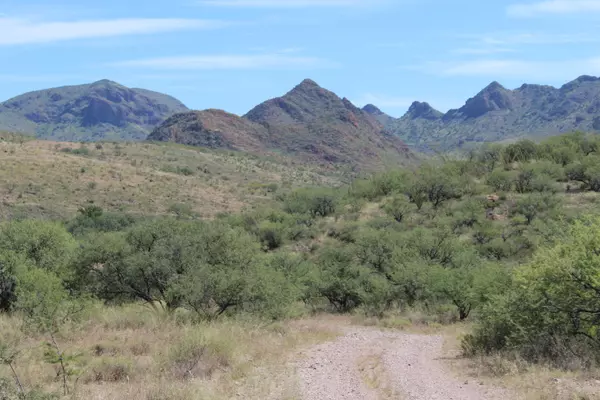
{"x":39,"y":177}
{"x":525,"y":380}
{"x":137,"y":354}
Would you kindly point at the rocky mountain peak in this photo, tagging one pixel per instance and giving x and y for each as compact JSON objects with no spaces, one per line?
{"x":580,"y":81}
{"x":423,"y":110}
{"x":493,"y":97}
{"x":372,"y":109}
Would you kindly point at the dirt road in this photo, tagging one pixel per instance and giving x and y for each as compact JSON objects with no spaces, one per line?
{"x":369,"y":364}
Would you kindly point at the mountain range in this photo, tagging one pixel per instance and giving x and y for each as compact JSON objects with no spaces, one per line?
{"x":102,"y":110}
{"x":309,"y":123}
{"x":499,"y":114}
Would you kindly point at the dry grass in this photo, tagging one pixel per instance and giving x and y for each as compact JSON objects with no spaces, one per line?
{"x":41,"y":177}
{"x":533,"y":382}
{"x":134,"y":353}
{"x":527,"y":381}
{"x":413,"y":321}
{"x":375,"y":376}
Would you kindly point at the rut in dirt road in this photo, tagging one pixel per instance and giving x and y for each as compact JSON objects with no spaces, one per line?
{"x":410,"y":368}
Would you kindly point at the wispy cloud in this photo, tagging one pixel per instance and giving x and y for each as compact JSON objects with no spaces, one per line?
{"x":22,"y":31}
{"x":513,"y":68}
{"x":557,"y":7}
{"x":511,"y":42}
{"x":289,"y":3}
{"x":537,"y":38}
{"x":229,"y":62}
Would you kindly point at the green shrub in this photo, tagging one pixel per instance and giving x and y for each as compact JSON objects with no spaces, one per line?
{"x":500,"y":180}
{"x":398,"y":208}
{"x":94,"y":219}
{"x":315,"y":202}
{"x":271,"y":235}
{"x":47,"y":244}
{"x":82,"y":151}
{"x":550,"y":314}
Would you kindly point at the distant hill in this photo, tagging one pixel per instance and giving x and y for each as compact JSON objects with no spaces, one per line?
{"x":54,"y":179}
{"x":103,"y":110}
{"x":379,"y":115}
{"x":309,"y":122}
{"x":497,"y":114}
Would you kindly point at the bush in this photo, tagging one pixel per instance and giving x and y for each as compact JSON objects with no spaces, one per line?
{"x":521,"y":151}
{"x":398,"y":208}
{"x":82,"y":151}
{"x":587,"y":171}
{"x":551,"y":312}
{"x":500,"y":180}
{"x":196,"y":355}
{"x":536,"y":204}
{"x":524,"y":181}
{"x":339,"y":279}
{"x":437,"y":184}
{"x":94,"y":219}
{"x":46,"y":244}
{"x":270,"y":235}
{"x":8,"y":281}
{"x":182,"y":210}
{"x":315,"y":202}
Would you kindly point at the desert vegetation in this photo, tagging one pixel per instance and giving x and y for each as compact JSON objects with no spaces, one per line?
{"x":44,"y":179}
{"x":178,"y":305}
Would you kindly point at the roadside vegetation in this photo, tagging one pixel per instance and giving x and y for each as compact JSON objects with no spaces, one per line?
{"x":506,"y":237}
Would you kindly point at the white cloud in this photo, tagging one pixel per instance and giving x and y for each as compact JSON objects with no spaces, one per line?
{"x":22,"y":31}
{"x":559,"y":7}
{"x":228,"y":62}
{"x":511,"y":40}
{"x":289,"y":3}
{"x":491,"y":67}
{"x":384,"y":101}
{"x":514,"y":68}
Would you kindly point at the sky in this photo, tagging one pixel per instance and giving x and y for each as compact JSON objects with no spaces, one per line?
{"x":234,"y":54}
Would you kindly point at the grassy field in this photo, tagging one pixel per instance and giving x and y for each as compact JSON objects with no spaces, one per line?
{"x":53,"y":179}
{"x":137,"y":354}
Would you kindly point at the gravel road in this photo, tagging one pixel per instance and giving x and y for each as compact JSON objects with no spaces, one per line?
{"x":370,"y":364}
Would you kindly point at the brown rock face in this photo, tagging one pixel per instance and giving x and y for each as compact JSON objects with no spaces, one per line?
{"x":309,"y":122}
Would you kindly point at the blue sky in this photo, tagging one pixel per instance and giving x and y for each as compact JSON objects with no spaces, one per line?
{"x":233,"y":54}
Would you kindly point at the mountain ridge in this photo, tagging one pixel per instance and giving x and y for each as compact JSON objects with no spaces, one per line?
{"x":308,"y":122}
{"x":101,"y":110}
{"x":497,"y":114}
